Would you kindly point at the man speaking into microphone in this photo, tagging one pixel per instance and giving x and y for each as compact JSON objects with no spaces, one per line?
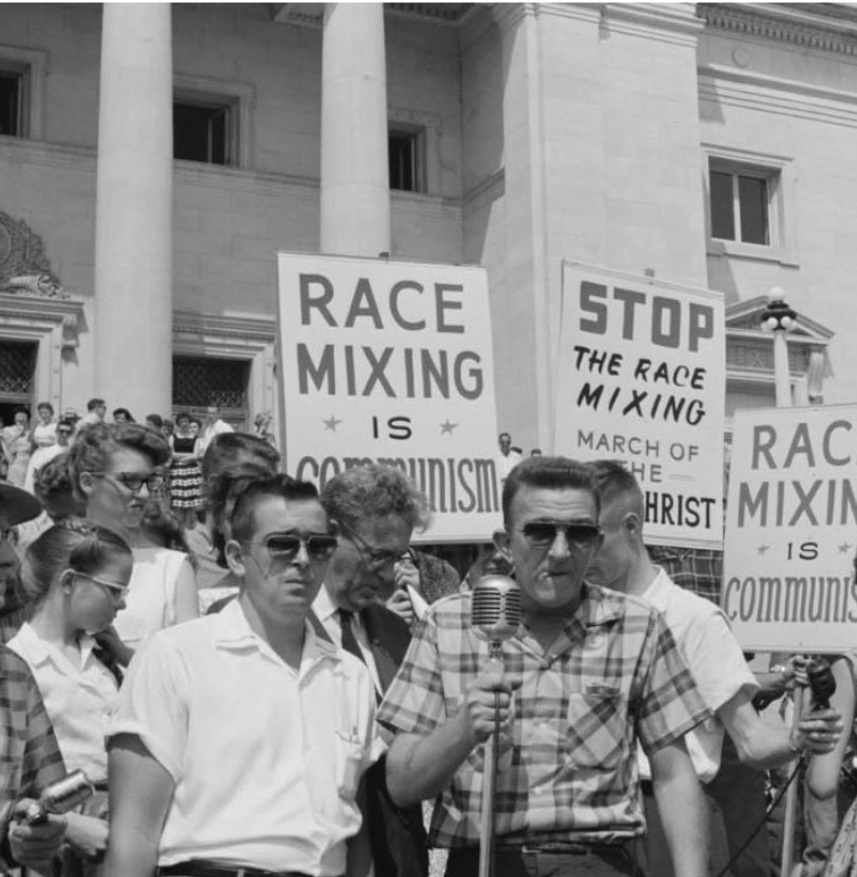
{"x":590,"y":673}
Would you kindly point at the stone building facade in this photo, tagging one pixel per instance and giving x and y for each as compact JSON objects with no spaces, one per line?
{"x":707,"y":145}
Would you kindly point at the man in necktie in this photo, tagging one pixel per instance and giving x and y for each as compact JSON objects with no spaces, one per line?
{"x":374,"y":510}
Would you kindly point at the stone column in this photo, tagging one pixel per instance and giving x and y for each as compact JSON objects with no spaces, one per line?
{"x":355,"y":196}
{"x":134,"y":206}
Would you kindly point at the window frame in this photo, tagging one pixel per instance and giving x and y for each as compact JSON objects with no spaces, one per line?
{"x":214,"y":106}
{"x":31,"y":65}
{"x":240,"y":100}
{"x":416,"y":135}
{"x":780,"y":174}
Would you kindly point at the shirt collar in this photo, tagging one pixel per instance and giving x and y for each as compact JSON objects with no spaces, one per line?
{"x":323,"y":606}
{"x":40,"y":651}
{"x":233,"y":631}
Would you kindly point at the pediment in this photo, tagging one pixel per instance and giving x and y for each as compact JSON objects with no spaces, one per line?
{"x":746,"y":317}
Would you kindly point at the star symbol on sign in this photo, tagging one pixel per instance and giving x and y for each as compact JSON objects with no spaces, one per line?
{"x":447,"y":427}
{"x":845,"y":548}
{"x":762,"y":549}
{"x":331,"y":423}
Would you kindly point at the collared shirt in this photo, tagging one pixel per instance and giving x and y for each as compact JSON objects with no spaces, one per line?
{"x":29,"y":756}
{"x":80,"y":700}
{"x":567,"y":770}
{"x":699,"y":570}
{"x":715,"y":660}
{"x":327,"y":613}
{"x":266,"y":759}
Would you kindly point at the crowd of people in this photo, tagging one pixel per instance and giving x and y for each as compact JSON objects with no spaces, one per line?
{"x":260,"y":679}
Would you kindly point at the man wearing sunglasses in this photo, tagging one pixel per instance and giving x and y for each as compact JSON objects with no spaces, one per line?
{"x":241,"y":737}
{"x":715,"y":659}
{"x":375,"y":510}
{"x":590,"y":673}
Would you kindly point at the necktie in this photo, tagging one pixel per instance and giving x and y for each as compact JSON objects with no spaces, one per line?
{"x":349,"y":641}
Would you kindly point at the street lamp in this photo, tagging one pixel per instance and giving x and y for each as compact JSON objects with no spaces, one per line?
{"x":779,"y":318}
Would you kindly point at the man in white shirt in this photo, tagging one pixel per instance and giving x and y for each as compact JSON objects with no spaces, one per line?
{"x":212,"y":426}
{"x":711,"y":651}
{"x":241,"y":737}
{"x":375,"y":509}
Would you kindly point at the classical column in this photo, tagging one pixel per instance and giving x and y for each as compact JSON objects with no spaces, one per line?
{"x":355,"y":196}
{"x":134,"y":205}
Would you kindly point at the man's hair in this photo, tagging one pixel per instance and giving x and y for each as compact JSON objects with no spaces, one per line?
{"x":505,"y":434}
{"x":280,"y":486}
{"x":92,"y":404}
{"x":124,"y":411}
{"x":66,"y":423}
{"x":613,"y":479}
{"x":232,"y":461}
{"x":374,"y":491}
{"x":96,"y":443}
{"x":156,"y":419}
{"x":553,"y":473}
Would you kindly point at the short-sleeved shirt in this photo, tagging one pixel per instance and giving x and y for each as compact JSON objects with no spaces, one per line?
{"x":80,"y":700}
{"x":714,"y":658}
{"x":29,"y":756}
{"x":266,"y":759}
{"x":567,"y":770}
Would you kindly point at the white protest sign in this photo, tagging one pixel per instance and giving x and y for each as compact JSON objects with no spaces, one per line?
{"x":791,"y":528}
{"x":391,"y":362}
{"x":640,"y":377}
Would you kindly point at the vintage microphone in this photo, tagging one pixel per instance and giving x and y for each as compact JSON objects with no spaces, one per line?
{"x":495,"y":614}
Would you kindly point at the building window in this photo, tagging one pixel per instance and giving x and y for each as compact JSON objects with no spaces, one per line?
{"x":406,"y":155}
{"x":741,"y":204}
{"x":204,"y":131}
{"x":12,"y":104}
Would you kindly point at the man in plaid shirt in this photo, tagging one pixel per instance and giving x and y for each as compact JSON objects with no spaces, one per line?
{"x":591,"y":673}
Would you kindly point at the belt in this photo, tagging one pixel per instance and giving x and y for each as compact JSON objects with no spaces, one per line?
{"x":568,"y":848}
{"x":207,"y":868}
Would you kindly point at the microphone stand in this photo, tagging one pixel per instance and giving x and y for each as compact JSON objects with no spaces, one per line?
{"x":489,"y":775}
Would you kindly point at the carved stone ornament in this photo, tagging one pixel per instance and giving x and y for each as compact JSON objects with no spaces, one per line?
{"x":24,"y":268}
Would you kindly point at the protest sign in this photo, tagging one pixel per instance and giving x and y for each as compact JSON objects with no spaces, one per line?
{"x":391,"y":362}
{"x":640,"y":377}
{"x":791,"y":528}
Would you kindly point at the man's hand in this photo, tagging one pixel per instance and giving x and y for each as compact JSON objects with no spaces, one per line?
{"x":490,"y":691}
{"x":87,"y":835}
{"x":35,"y":845}
{"x":817,"y":732}
{"x":400,"y":603}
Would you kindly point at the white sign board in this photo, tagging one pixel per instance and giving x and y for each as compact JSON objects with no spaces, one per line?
{"x":640,"y":377}
{"x":391,"y":362}
{"x":791,"y":529}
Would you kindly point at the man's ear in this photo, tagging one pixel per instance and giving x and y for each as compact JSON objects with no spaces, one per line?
{"x":87,"y":483}
{"x":633,"y":524}
{"x":501,"y":541}
{"x":235,"y":557}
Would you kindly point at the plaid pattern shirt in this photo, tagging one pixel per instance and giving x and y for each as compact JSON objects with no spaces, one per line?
{"x":695,"y":569}
{"x":567,"y":770}
{"x":29,"y":756}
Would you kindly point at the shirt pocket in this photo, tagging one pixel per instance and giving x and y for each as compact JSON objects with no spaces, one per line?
{"x":595,"y":730}
{"x":348,"y":757}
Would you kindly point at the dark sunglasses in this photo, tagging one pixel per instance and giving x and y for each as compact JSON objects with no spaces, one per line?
{"x":284,"y":547}
{"x":542,"y":534}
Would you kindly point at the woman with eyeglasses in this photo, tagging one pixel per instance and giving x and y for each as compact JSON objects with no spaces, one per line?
{"x":76,"y":576}
{"x":118,"y":470}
